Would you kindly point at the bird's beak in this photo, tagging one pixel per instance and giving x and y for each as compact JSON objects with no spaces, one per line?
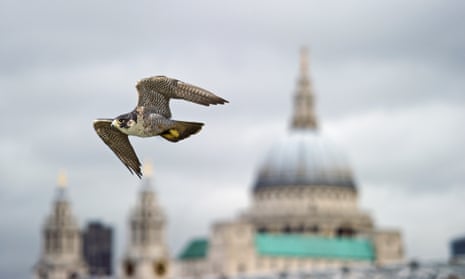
{"x":114,"y":123}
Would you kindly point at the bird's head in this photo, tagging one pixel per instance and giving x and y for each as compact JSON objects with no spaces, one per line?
{"x":124,"y":121}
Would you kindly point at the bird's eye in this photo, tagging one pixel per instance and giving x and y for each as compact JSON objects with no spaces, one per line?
{"x":120,"y":120}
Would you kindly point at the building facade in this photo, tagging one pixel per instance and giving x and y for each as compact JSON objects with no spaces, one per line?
{"x":304,"y":215}
{"x":97,"y":247}
{"x":147,"y":254}
{"x":61,"y":254}
{"x":304,"y":212}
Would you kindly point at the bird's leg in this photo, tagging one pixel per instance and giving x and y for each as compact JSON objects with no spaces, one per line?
{"x":171,"y":134}
{"x":174,"y":133}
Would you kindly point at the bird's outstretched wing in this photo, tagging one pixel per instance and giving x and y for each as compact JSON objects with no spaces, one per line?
{"x":119,"y":144}
{"x":156,"y":91}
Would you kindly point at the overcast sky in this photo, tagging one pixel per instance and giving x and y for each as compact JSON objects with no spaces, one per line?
{"x":389,"y":78}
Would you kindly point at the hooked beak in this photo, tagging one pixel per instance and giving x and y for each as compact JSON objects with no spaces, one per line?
{"x":114,"y":123}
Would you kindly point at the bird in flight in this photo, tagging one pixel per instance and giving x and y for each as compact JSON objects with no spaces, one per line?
{"x":152,"y":117}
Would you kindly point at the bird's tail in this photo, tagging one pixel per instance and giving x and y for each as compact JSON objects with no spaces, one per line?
{"x":181,"y":130}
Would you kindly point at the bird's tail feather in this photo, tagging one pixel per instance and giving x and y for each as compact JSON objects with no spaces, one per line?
{"x":181,"y":130}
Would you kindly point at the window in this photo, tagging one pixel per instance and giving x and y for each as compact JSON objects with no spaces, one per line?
{"x":314,"y":229}
{"x":159,"y":267}
{"x":345,"y":231}
{"x":129,"y":268}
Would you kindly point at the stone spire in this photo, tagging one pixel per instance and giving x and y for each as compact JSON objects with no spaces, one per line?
{"x":147,"y":253}
{"x":304,"y":112}
{"x":61,"y":255}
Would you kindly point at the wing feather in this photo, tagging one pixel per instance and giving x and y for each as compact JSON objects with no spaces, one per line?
{"x":196,"y":94}
{"x":119,"y":144}
{"x":155,"y":92}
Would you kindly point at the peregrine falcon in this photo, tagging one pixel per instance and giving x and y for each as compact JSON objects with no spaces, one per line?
{"x":152,"y":117}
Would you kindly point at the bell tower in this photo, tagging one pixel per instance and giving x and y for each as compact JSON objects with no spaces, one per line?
{"x":61,"y":255}
{"x":147,"y":253}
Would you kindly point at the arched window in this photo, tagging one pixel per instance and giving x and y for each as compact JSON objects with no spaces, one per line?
{"x":70,"y":246}
{"x":48,"y":240}
{"x":129,"y":268}
{"x":287,"y":229}
{"x":314,"y":229}
{"x":160,"y":267}
{"x":43,"y":274}
{"x":345,"y":231}
{"x":58,"y":242}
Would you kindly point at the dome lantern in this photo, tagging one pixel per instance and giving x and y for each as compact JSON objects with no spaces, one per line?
{"x":304,"y":112}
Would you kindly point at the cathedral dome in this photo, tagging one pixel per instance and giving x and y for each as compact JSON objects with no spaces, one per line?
{"x":304,"y":158}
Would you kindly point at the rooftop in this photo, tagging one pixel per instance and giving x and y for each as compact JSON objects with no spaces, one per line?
{"x":197,"y":249}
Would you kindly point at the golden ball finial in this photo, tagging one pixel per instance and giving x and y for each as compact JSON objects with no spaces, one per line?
{"x":147,"y":168}
{"x":62,"y":180}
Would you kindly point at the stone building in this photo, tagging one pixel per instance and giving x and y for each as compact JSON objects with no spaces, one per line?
{"x":147,"y":254}
{"x":61,"y":255}
{"x":304,"y":213}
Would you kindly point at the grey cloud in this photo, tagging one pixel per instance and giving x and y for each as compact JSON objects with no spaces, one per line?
{"x":407,"y":147}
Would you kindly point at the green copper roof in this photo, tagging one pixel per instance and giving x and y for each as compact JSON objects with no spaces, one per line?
{"x":292,"y":245}
{"x":197,"y":249}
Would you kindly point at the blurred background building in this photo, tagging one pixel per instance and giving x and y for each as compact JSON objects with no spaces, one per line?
{"x":147,"y":254}
{"x":304,"y":213}
{"x":98,"y":248}
{"x":61,"y":255}
{"x":457,"y":247}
